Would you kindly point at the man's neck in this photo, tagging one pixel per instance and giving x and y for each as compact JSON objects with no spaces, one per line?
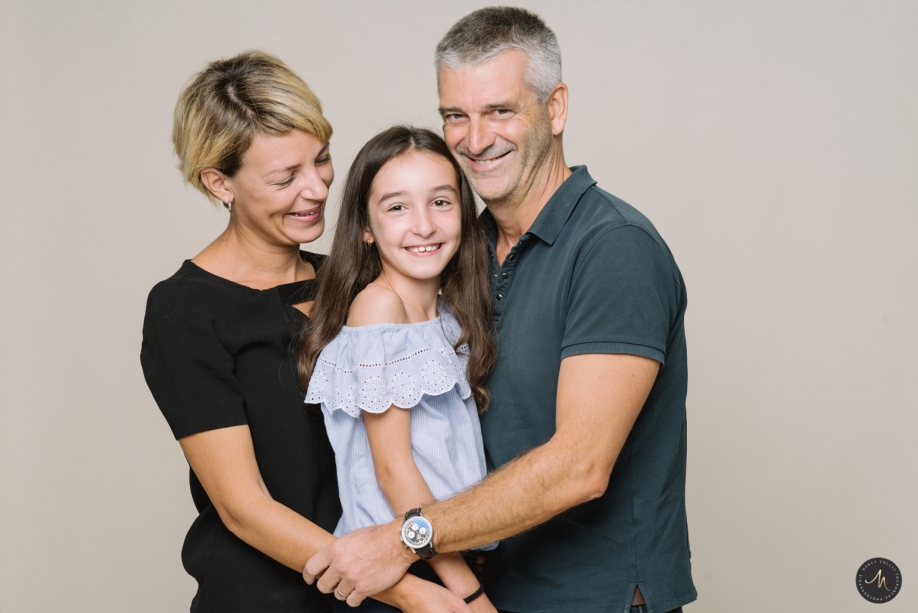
{"x":514,"y":216}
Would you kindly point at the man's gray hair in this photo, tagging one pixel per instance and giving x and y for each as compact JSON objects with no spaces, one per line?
{"x":486,"y":33}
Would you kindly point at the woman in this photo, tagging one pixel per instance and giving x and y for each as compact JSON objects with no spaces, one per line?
{"x":216,"y":354}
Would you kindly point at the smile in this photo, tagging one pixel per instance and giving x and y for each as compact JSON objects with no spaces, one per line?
{"x":488,"y":162}
{"x":306,"y":214}
{"x":424,"y":248}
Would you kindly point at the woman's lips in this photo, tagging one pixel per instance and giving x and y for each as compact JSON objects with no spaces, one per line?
{"x":306,"y":216}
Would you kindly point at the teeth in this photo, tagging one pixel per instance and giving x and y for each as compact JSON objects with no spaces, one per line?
{"x":423,"y":249}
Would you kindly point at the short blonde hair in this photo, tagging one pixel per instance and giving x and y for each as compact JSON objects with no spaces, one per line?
{"x":229,"y":102}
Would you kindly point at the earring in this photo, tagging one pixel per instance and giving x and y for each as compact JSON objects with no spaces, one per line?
{"x":369,"y":242}
{"x":229,"y":206}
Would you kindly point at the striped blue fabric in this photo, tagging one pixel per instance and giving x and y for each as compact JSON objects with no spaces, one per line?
{"x":404,"y":366}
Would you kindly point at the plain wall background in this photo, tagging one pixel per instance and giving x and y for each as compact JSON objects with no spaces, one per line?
{"x":773,"y":144}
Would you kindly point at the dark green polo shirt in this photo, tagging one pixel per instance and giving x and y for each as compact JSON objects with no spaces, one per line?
{"x":592,"y":276}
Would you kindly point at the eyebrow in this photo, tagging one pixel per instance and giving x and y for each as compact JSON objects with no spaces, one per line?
{"x":444,"y":110}
{"x":322,"y":151}
{"x":285,"y":170}
{"x":446,"y":187}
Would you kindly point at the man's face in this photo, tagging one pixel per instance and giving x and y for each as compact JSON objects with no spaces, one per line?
{"x":495,"y":127}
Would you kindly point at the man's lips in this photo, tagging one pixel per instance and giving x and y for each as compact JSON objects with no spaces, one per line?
{"x":485,"y":163}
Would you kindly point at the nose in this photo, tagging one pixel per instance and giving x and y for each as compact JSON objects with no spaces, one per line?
{"x":424,"y":224}
{"x":313,"y":187}
{"x":480,"y":137}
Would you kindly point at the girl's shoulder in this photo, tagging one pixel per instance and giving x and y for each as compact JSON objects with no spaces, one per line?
{"x":376,"y":304}
{"x":373,"y":366}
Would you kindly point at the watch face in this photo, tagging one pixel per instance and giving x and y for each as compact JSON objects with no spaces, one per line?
{"x":416,"y":532}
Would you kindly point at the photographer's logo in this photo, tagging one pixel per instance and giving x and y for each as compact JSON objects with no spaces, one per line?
{"x":878,"y":580}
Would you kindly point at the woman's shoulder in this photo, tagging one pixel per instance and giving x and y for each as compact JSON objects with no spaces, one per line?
{"x":376,"y":304}
{"x":191,"y":289}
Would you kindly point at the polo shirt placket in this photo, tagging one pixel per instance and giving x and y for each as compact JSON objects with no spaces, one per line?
{"x":502,"y":276}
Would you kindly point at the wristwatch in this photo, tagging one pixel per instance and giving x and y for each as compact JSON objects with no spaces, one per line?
{"x":417,"y":534}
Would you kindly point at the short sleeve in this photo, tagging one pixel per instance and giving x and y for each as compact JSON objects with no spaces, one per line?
{"x":187,"y":369}
{"x":374,"y":367}
{"x":623,"y":298}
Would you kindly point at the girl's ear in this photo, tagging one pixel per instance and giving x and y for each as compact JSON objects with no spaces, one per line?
{"x":367,"y":236}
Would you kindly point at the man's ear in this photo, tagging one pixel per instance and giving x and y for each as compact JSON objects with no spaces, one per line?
{"x":557,"y":108}
{"x":218,"y":184}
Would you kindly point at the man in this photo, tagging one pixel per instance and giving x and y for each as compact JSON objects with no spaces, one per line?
{"x":586,"y":429}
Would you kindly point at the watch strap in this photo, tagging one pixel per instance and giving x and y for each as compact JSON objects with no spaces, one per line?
{"x":427,"y":551}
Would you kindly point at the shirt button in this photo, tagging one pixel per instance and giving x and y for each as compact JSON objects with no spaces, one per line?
{"x":503,"y":275}
{"x":499,"y":297}
{"x":511,"y":257}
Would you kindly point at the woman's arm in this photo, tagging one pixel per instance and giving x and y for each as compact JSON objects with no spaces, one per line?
{"x":389,"y":434}
{"x":224,"y":462}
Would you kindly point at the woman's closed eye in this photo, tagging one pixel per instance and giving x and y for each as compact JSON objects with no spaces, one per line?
{"x":286,"y":181}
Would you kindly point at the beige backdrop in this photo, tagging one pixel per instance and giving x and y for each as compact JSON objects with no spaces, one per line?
{"x":772,"y":143}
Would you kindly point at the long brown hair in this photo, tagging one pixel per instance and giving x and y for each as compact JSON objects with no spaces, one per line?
{"x":352,"y":264}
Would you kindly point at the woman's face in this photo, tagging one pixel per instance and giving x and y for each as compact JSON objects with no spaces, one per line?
{"x":280,"y":190}
{"x":415,"y":215}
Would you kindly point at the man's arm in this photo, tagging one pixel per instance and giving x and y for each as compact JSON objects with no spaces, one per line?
{"x":599,"y":398}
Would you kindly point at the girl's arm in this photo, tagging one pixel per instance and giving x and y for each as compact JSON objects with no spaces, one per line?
{"x":224,"y":462}
{"x":389,"y":434}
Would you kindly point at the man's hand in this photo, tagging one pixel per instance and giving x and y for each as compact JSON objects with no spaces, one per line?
{"x":362,"y":563}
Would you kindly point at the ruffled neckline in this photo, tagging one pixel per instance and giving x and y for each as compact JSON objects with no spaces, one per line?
{"x":372,"y":367}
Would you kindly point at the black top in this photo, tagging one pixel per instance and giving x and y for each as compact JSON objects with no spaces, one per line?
{"x":217,"y":354}
{"x":592,"y":276}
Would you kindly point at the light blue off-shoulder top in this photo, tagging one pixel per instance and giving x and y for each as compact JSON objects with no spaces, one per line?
{"x":408,"y":366}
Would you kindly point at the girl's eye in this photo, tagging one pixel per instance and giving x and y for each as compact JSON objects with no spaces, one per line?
{"x":324,"y":159}
{"x":286,"y":182}
{"x":441,"y":202}
{"x":397,"y":207}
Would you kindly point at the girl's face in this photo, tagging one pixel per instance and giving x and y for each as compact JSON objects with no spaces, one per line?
{"x":415,"y":215}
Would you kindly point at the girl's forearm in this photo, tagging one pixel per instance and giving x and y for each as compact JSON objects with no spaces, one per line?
{"x":404,"y":487}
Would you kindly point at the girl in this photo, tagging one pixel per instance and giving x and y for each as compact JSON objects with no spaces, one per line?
{"x":402,"y":343}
